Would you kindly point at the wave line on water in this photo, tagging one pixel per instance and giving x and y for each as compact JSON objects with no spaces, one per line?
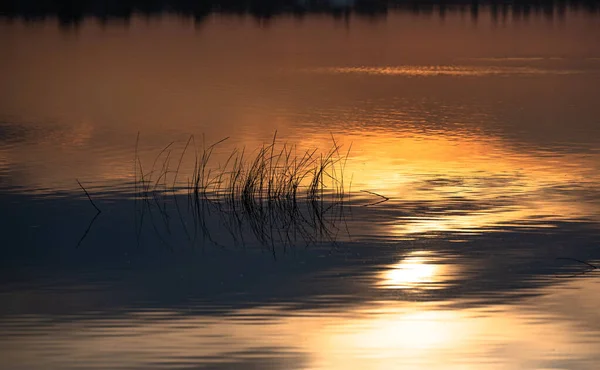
{"x":444,"y":70}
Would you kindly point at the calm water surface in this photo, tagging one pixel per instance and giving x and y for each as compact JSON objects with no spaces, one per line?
{"x":472,"y":193}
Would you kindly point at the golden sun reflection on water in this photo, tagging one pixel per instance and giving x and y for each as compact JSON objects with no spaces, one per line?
{"x":418,"y":270}
{"x":469,"y":182}
{"x":554,"y":326}
{"x":444,"y":70}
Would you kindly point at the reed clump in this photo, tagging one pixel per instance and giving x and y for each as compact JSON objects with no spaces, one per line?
{"x":277,"y":190}
{"x":274,"y":175}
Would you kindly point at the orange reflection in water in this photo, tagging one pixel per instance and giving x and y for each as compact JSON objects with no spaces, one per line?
{"x":555,"y":325}
{"x":81,"y":112}
{"x":445,"y":70}
{"x":470,"y":182}
{"x":418,"y":270}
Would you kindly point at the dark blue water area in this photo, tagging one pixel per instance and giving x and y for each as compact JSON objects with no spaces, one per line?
{"x":61,"y":259}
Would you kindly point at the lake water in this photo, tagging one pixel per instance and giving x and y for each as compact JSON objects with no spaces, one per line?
{"x":463,"y":232}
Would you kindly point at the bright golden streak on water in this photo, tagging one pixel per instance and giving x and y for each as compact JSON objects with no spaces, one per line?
{"x":416,"y":271}
{"x":443,"y":70}
{"x":484,"y":181}
{"x":376,"y":335}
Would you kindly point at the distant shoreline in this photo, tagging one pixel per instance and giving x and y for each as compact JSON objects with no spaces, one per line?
{"x":73,"y":12}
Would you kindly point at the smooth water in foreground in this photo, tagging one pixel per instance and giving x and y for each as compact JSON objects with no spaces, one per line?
{"x":464,"y":235}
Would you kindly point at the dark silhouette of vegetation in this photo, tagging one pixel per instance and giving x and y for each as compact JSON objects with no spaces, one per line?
{"x":72,"y":12}
{"x":88,"y":196}
{"x":278,"y":194}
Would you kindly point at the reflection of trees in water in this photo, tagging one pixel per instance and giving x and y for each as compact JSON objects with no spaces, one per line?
{"x":71,"y":12}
